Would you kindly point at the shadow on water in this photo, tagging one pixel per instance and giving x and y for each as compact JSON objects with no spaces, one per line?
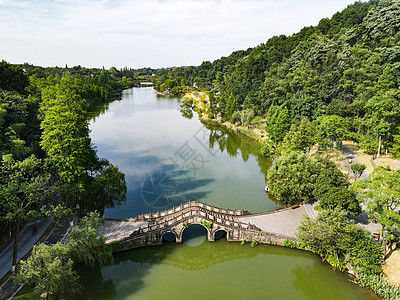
{"x":94,"y":285}
{"x":133,"y":266}
{"x":154,"y":184}
{"x":311,"y":285}
{"x":234,"y":144}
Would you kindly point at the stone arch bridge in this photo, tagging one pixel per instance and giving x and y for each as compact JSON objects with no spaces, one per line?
{"x":149,"y":229}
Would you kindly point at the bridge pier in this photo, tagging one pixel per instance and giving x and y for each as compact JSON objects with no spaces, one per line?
{"x":210,"y":236}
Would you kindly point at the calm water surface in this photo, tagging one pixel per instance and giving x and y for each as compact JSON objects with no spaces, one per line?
{"x":169,"y":159}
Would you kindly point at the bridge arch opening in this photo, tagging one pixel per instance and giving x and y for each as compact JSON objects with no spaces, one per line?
{"x":194,"y":235}
{"x":169,"y":237}
{"x":220,"y":234}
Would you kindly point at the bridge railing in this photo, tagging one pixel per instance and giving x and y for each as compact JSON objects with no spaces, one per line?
{"x":188,"y":205}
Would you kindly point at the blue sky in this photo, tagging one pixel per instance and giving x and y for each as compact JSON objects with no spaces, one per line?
{"x":147,"y":33}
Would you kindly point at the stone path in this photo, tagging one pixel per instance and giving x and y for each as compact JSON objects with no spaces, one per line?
{"x":118,"y":230}
{"x":283,"y":222}
{"x":391,"y":267}
{"x":309,"y":207}
{"x":349,"y":155}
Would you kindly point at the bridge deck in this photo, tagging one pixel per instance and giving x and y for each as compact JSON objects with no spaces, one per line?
{"x":240,"y":224}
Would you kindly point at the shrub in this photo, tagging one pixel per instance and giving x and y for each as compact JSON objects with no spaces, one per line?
{"x":253,"y":243}
{"x":256,"y":120}
{"x":206,"y":224}
{"x":293,"y":244}
{"x":268,"y":149}
{"x":380,"y":286}
{"x":290,"y":244}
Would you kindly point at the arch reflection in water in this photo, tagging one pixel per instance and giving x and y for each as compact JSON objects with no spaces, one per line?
{"x":194,"y":235}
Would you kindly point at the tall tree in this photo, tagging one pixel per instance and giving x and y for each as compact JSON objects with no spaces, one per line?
{"x":278,"y":123}
{"x":338,"y":240}
{"x":292,"y":178}
{"x":25,"y":193}
{"x":50,"y":269}
{"x":381,"y":192}
{"x":12,"y":78}
{"x":301,"y":137}
{"x":332,"y":129}
{"x":65,"y":136}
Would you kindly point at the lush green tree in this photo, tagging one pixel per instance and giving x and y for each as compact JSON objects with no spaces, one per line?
{"x":49,"y":271}
{"x":342,"y":198}
{"x":236,"y":117}
{"x":85,"y":245}
{"x":268,"y":149}
{"x":329,"y":176}
{"x":246,"y":116}
{"x":338,"y":240}
{"x":106,"y":188}
{"x":12,"y":78}
{"x":278,"y":123}
{"x":50,"y":268}
{"x":357,"y":169}
{"x":384,"y":20}
{"x":395,"y":149}
{"x":329,"y":235}
{"x":381,"y":192}
{"x":300,"y":137}
{"x":25,"y":193}
{"x":19,"y":125}
{"x":65,"y":136}
{"x":365,"y":255}
{"x":332,"y":129}
{"x":292,"y":178}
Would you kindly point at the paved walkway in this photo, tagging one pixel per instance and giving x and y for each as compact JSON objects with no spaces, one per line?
{"x":28,"y":236}
{"x":282,"y":222}
{"x":118,"y":230}
{"x":349,"y":155}
{"x":285,"y":222}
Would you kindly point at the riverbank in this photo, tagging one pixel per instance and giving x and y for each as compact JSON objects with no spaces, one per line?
{"x":340,"y":157}
{"x":201,"y":106}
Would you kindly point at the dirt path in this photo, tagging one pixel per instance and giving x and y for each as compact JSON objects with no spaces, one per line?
{"x":351,"y":154}
{"x":391,"y":268}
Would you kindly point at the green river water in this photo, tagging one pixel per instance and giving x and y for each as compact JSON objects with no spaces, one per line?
{"x":169,"y":159}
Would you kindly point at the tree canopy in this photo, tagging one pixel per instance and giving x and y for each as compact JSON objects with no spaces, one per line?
{"x":343,"y":75}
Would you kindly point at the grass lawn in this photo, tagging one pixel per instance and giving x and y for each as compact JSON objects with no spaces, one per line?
{"x":26,"y":293}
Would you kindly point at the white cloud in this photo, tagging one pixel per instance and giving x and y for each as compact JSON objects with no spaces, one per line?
{"x":147,"y":33}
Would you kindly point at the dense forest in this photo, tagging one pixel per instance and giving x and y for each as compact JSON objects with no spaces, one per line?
{"x":48,"y":165}
{"x":342,"y":75}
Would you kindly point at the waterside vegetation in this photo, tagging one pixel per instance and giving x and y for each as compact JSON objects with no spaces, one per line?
{"x":328,"y":83}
